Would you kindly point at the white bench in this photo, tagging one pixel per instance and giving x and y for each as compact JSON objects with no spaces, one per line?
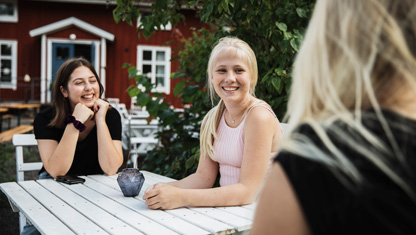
{"x":20,"y":141}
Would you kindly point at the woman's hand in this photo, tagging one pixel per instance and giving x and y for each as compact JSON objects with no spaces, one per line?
{"x":100,"y":109}
{"x":82,"y":113}
{"x":163,"y":196}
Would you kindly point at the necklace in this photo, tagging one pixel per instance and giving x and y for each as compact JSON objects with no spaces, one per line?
{"x":238,"y":117}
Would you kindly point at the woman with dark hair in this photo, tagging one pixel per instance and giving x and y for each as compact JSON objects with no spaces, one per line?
{"x":80,"y":134}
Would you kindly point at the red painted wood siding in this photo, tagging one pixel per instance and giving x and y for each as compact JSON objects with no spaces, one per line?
{"x":35,"y":14}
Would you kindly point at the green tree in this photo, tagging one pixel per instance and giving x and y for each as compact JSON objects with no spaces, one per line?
{"x":273,"y":28}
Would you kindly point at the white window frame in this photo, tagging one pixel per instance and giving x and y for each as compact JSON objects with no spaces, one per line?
{"x":167,"y":27}
{"x":14,"y":18}
{"x":140,"y":62}
{"x":13,"y":57}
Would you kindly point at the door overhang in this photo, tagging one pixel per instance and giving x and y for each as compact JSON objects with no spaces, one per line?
{"x":59,"y":26}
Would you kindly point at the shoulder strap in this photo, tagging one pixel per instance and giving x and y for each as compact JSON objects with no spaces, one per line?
{"x":261,"y":105}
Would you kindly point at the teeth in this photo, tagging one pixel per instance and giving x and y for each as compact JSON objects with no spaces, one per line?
{"x":88,"y":96}
{"x":230,"y":88}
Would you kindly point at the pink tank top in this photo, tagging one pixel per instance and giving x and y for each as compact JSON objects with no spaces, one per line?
{"x":229,"y":149}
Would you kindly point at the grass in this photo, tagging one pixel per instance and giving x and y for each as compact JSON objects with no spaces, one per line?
{"x":9,"y":222}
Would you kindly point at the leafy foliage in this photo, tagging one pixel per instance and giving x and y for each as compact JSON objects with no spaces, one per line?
{"x":273,"y":28}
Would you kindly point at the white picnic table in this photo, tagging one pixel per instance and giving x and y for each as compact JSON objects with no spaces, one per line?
{"x":99,"y":207}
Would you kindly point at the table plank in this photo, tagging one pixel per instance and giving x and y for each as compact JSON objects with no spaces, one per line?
{"x":97,"y":215}
{"x":159,"y":178}
{"x":210,"y":224}
{"x":238,"y":217}
{"x":111,"y":203}
{"x":40,"y":217}
{"x":172,"y":222}
{"x":238,"y":211}
{"x":239,"y":223}
{"x":68,"y":215}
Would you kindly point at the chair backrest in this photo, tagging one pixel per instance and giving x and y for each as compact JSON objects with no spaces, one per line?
{"x":20,"y":141}
{"x":113,"y":101}
{"x":284,"y":127}
{"x":134,"y":107}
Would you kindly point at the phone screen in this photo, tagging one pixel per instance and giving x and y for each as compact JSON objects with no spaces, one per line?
{"x":70,"y":179}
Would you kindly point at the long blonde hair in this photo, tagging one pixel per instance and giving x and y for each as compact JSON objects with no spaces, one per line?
{"x":356,"y":55}
{"x":213,"y":117}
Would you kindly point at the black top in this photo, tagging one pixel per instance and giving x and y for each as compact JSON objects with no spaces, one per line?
{"x":86,"y":153}
{"x":378,"y":205}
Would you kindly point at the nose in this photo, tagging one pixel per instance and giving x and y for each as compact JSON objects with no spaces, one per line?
{"x":230,"y":77}
{"x":88,"y":86}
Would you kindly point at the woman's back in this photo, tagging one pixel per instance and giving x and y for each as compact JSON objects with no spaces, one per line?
{"x":335,"y":204}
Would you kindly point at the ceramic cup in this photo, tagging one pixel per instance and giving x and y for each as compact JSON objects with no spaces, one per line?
{"x":130,"y":181}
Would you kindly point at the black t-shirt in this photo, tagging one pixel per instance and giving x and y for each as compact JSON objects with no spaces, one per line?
{"x":86,"y":153}
{"x":378,"y":205}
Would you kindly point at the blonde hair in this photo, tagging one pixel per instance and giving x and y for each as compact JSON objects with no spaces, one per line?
{"x":213,"y":117}
{"x":356,"y":55}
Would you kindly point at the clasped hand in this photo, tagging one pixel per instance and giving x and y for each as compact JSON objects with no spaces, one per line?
{"x":98,"y":111}
{"x":163,"y":196}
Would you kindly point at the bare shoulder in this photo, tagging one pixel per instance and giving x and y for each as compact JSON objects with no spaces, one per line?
{"x":278,"y":208}
{"x":261,"y":112}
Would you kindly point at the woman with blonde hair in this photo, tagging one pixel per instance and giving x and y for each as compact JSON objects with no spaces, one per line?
{"x":346,"y":165}
{"x":238,"y":136}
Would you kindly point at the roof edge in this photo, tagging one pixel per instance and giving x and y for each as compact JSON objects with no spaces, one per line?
{"x":71,"y":21}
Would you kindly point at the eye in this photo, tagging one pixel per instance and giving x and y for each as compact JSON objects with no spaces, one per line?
{"x":239,"y":70}
{"x":78,"y":83}
{"x":93,"y":80}
{"x":221,"y":71}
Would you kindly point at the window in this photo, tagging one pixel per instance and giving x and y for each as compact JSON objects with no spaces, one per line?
{"x":144,"y":14}
{"x":8,"y":11}
{"x":154,"y":63}
{"x":8,"y":64}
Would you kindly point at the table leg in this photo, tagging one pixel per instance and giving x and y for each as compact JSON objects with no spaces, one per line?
{"x":19,"y":112}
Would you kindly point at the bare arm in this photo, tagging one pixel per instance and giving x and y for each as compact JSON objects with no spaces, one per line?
{"x":278,"y":208}
{"x":57,"y":157}
{"x":259,"y":131}
{"x":110,"y":154}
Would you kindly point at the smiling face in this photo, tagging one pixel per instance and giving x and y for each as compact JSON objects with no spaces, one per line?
{"x":82,"y":87}
{"x":231,"y":76}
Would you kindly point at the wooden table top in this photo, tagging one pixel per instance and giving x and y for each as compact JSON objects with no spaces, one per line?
{"x":2,"y":110}
{"x":20,"y":106}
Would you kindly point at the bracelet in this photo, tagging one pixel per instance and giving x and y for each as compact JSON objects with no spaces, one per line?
{"x":77,"y":124}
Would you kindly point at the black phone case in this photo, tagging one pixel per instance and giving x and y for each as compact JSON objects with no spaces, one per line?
{"x":70,"y":179}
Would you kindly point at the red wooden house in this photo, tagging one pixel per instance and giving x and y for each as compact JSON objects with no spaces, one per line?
{"x":36,"y":37}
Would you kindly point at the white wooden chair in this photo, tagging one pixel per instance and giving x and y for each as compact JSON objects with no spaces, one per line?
{"x":138,"y":135}
{"x":113,"y":101}
{"x":20,"y":141}
{"x":284,"y":127}
{"x":135,"y":108}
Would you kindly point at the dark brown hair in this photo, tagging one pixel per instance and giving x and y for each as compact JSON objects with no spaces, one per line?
{"x":61,"y":103}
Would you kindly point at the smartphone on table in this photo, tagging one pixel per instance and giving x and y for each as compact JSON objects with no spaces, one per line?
{"x":70,"y":179}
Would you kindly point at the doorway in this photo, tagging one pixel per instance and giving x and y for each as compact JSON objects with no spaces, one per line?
{"x":61,"y":52}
